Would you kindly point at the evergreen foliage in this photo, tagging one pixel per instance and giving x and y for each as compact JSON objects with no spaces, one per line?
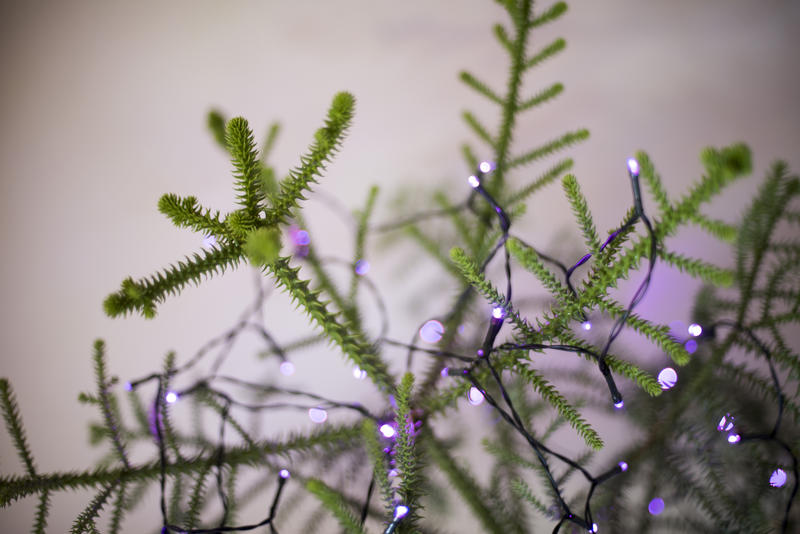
{"x":745,"y":354}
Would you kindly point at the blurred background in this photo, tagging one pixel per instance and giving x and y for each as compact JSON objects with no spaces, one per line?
{"x":103,"y":110}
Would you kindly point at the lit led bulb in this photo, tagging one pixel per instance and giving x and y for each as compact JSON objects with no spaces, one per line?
{"x":387,"y":430}
{"x":287,"y":368}
{"x":317,"y":415}
{"x":485,"y":167}
{"x":171,"y":397}
{"x":695,"y":329}
{"x":475,"y":396}
{"x":284,"y":474}
{"x":667,"y":378}
{"x":474,"y":182}
{"x":619,"y":405}
{"x":633,"y":166}
{"x":778,"y":478}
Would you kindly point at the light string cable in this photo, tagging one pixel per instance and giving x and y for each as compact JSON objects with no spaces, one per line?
{"x":227,"y":339}
{"x":167,"y":527}
{"x":484,"y":355}
{"x":735,"y":436}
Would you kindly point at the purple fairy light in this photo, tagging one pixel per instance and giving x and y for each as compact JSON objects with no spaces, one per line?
{"x":387,"y":430}
{"x":301,"y":238}
{"x":587,"y":325}
{"x":623,"y":466}
{"x":485,"y":166}
{"x":498,"y":312}
{"x":667,"y":378}
{"x":633,"y":166}
{"x":171,"y":397}
{"x":287,"y":368}
{"x":431,"y":331}
{"x":656,"y":506}
{"x":475,"y":396}
{"x":619,"y":405}
{"x":726,"y":423}
{"x":359,"y":373}
{"x":284,"y":474}
{"x":400,"y":511}
{"x":778,"y":478}
{"x":445,"y":372}
{"x":690,"y":346}
{"x":473,"y":182}
{"x":695,"y":329}
{"x":594,"y":527}
{"x":362,"y":267}
{"x":317,"y":415}
{"x":734,"y":438}
{"x":128,"y":386}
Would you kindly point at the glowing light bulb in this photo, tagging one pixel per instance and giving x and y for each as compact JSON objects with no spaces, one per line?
{"x":485,"y":166}
{"x":171,"y":397}
{"x":128,"y":386}
{"x":445,"y":372}
{"x":587,"y":326}
{"x":623,"y":466}
{"x":778,"y":478}
{"x":302,"y":238}
{"x":498,"y":312}
{"x":633,"y":166}
{"x":431,"y":331}
{"x":695,"y":329}
{"x":317,"y":415}
{"x":387,"y":430}
{"x":734,"y":438}
{"x":473,"y":182}
{"x":362,"y":267}
{"x":475,"y":396}
{"x":209,"y":241}
{"x":594,"y":527}
{"x":656,"y":506}
{"x":359,"y":373}
{"x":284,"y":474}
{"x":400,"y":511}
{"x":287,"y":368}
{"x":393,"y":473}
{"x":690,"y":346}
{"x":619,"y":405}
{"x":726,"y":423}
{"x":667,"y":378}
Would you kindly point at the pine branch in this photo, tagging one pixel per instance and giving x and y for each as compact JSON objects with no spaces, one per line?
{"x":15,"y":426}
{"x":541,"y":97}
{"x":581,"y":210}
{"x":108,"y":403}
{"x":406,"y":457}
{"x":546,"y":53}
{"x":480,"y":87}
{"x":550,"y":14}
{"x":244,"y":156}
{"x":186,"y":213}
{"x":545,"y":179}
{"x":326,"y":143}
{"x":336,"y":503}
{"x":85,"y":522}
{"x":562,"y":142}
{"x":479,"y":129}
{"x":143,"y":294}
{"x":352,"y":343}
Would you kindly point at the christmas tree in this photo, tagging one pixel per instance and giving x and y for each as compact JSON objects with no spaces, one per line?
{"x":716,"y":453}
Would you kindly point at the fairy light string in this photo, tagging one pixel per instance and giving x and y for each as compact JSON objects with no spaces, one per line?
{"x":727,"y":423}
{"x":489,"y":347}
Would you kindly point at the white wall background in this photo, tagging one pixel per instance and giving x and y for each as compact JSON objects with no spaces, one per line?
{"x":103,"y":107}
